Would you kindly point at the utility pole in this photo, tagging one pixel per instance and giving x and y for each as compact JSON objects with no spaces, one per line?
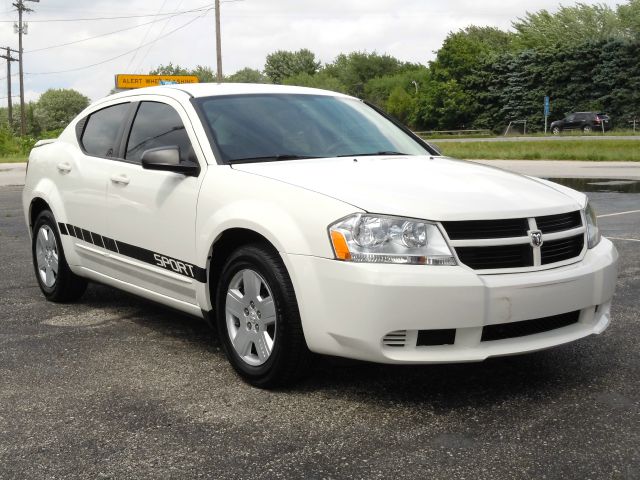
{"x":9,"y":59}
{"x":218,"y":41}
{"x":21,"y":30}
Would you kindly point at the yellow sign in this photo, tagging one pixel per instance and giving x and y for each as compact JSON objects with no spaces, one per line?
{"x":140,"y":81}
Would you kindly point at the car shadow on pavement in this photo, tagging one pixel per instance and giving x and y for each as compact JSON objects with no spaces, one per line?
{"x":441,"y":387}
{"x":151,"y":315}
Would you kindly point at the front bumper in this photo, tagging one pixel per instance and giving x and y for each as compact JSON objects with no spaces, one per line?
{"x":348,"y":309}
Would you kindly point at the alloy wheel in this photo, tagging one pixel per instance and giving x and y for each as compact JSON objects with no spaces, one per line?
{"x":47,"y":256}
{"x":251,"y":317}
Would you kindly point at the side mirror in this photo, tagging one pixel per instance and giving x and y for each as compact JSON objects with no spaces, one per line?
{"x":168,"y":159}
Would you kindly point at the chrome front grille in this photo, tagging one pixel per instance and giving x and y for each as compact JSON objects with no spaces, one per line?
{"x":511,"y":244}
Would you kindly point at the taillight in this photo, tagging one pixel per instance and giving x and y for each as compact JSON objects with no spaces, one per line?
{"x":597,"y":119}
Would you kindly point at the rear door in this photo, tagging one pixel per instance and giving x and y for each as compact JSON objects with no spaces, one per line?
{"x":152,"y":214}
{"x":584,"y":119}
{"x":82,"y":178}
{"x":570,"y":122}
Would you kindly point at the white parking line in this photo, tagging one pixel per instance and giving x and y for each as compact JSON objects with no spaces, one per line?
{"x":616,"y":214}
{"x":624,"y":239}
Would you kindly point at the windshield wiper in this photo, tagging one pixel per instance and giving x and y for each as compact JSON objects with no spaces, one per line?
{"x":372,"y":154}
{"x":270,"y":158}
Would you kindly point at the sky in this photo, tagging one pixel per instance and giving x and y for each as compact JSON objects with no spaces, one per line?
{"x":154,"y":32}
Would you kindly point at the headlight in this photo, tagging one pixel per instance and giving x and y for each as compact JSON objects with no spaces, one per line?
{"x":367,"y":238}
{"x":593,"y":232}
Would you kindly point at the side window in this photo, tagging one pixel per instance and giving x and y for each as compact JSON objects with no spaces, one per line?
{"x":158,"y":125}
{"x":101,"y":130}
{"x":570,"y":118}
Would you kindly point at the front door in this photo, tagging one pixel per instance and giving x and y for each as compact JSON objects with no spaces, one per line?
{"x":152,"y":214}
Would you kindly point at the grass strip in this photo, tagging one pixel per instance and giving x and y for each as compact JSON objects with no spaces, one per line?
{"x":604,"y":150}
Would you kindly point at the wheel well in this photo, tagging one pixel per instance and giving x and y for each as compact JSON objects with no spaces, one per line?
{"x":38,"y":205}
{"x":226,"y":243}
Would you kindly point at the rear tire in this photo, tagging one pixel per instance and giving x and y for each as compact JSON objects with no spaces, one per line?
{"x":258,"y":318}
{"x":56,"y":280}
{"x":587,"y":129}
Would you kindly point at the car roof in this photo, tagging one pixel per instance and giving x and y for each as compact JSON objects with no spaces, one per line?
{"x":212,"y":89}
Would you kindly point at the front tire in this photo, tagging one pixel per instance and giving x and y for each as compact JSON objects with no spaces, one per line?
{"x":258,"y":318}
{"x":56,"y":280}
{"x":556,"y":130}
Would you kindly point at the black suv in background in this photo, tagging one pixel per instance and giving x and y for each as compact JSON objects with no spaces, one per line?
{"x":586,"y":121}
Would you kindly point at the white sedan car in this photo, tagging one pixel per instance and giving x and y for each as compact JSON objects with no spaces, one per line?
{"x":299,"y":220}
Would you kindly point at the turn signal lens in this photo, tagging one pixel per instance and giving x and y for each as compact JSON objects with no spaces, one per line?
{"x":340,"y":246}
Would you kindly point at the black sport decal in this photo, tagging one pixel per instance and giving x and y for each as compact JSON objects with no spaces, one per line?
{"x":147,"y":256}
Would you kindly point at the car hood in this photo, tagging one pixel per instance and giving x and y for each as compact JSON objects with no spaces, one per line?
{"x":434,"y":188}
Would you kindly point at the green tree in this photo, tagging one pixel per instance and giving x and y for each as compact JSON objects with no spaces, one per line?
{"x":170,"y":69}
{"x":355,"y":69}
{"x":629,"y":15}
{"x":247,"y":75}
{"x":569,"y":26}
{"x":596,"y":75}
{"x":378,"y":90}
{"x":400,"y":104}
{"x":284,"y":64}
{"x":320,"y":80}
{"x":56,"y":108}
{"x":444,"y":106}
{"x":462,"y":51}
{"x":204,"y":74}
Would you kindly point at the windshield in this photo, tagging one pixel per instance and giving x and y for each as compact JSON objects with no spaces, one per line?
{"x":269,"y":127}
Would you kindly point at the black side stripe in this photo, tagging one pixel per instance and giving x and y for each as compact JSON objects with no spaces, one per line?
{"x":97,"y":240}
{"x":110,"y":244}
{"x":147,"y":256}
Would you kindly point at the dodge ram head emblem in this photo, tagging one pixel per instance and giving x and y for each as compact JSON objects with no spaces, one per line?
{"x":536,"y":238}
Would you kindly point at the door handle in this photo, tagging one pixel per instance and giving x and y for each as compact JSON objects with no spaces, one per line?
{"x":64,"y":167}
{"x":120,"y":179}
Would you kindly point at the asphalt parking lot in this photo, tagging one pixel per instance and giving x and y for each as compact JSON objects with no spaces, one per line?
{"x":116,"y":387}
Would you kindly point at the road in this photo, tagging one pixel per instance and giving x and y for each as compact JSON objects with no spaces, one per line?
{"x":12,"y":174}
{"x":569,"y":169}
{"x":560,"y":138}
{"x":116,"y":387}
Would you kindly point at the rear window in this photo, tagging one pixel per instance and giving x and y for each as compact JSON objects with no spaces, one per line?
{"x":101,"y":130}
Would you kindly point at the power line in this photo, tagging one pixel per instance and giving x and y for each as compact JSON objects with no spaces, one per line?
{"x":146,"y":34}
{"x":103,"y":34}
{"x":164,"y":27}
{"x":51,"y":20}
{"x":122,"y":54}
